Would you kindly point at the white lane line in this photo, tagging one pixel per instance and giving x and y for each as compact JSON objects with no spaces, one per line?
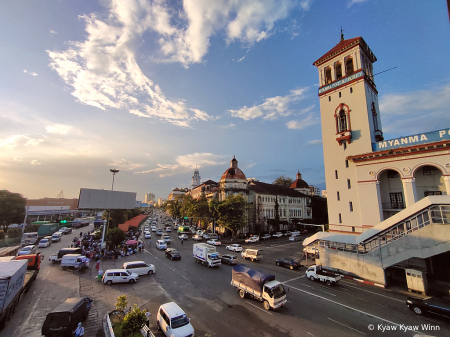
{"x":259,"y":308}
{"x":292,"y":279}
{"x":300,"y":284}
{"x":310,"y":333}
{"x":346,"y":326}
{"x":345,"y":306}
{"x":395,"y":299}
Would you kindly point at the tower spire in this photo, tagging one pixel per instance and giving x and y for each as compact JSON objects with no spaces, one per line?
{"x":342,"y":34}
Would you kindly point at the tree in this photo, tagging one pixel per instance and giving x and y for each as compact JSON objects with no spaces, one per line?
{"x":232,"y":213}
{"x":14,"y":233}
{"x":133,"y":321}
{"x":283,"y":181}
{"x":12,"y":208}
{"x":2,"y":235}
{"x":116,"y":217}
{"x":115,"y":236}
{"x":122,"y":302}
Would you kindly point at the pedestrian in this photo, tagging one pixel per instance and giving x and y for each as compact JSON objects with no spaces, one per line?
{"x":81,"y":234}
{"x":97,"y":266}
{"x":79,"y":331}
{"x":148,"y":314}
{"x":182,"y":241}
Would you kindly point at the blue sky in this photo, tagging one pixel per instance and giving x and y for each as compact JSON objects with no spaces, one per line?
{"x":155,"y":88}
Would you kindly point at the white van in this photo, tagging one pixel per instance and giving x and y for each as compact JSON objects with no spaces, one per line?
{"x":139,"y":267}
{"x":172,"y":320}
{"x":252,"y":254}
{"x":161,"y":244}
{"x":72,"y":261}
{"x":56,"y":236}
{"x":119,"y":276}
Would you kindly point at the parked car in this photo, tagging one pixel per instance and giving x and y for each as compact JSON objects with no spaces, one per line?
{"x":295,"y":233}
{"x":253,"y":238}
{"x":265,"y":237}
{"x":173,"y":254}
{"x":44,"y":243}
{"x":139,"y":267}
{"x":161,"y":244}
{"x":206,"y":236}
{"x":197,"y":238}
{"x":166,"y":238}
{"x":235,"y":247}
{"x":172,"y":320}
{"x":229,"y":259}
{"x":295,"y":238}
{"x":430,"y":305}
{"x":288,"y":263}
{"x":214,"y":236}
{"x":119,"y":276}
{"x":27,"y":250}
{"x":73,"y":261}
{"x":214,"y":242}
{"x":147,"y":235}
{"x":183,"y":236}
{"x":277,"y":235}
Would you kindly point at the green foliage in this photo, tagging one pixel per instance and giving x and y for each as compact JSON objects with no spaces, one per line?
{"x":2,"y":235}
{"x":134,"y":320}
{"x":117,"y":217}
{"x":122,"y":302}
{"x":173,"y":207}
{"x":14,"y":233}
{"x":115,"y":236}
{"x":12,"y":208}
{"x":231,"y":213}
{"x":31,"y":228}
{"x":283,"y":181}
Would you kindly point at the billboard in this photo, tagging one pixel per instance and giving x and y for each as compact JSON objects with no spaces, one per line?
{"x":105,"y":199}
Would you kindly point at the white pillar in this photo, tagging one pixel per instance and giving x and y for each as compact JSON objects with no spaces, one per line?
{"x":447,"y":184}
{"x":409,"y":189}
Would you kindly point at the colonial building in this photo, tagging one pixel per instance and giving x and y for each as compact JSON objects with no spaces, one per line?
{"x":233,"y":182}
{"x":195,"y":179}
{"x":177,"y":192}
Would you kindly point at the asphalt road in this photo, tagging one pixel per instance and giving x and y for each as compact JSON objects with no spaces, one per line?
{"x":214,"y":306}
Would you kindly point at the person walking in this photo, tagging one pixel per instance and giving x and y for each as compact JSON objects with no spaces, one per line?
{"x":147,"y":315}
{"x":97,"y":266}
{"x":79,"y":331}
{"x":182,"y":240}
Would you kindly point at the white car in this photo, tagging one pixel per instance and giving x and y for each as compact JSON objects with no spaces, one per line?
{"x":44,"y":243}
{"x":166,"y":238}
{"x":168,"y":229}
{"x":147,"y":235}
{"x":295,"y":233}
{"x":161,"y":244}
{"x":139,"y":267}
{"x":119,"y":276}
{"x":254,"y":238}
{"x":183,"y":236}
{"x":277,"y":235}
{"x":175,"y":227}
{"x":206,"y":236}
{"x":153,"y":228}
{"x":214,"y":242}
{"x":235,"y":247}
{"x":287,"y":233}
{"x":310,"y":250}
{"x":172,"y":320}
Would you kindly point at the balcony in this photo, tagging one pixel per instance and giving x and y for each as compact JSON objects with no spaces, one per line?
{"x":393,"y":206}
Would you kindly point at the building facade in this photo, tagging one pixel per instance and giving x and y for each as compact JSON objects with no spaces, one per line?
{"x":149,"y":198}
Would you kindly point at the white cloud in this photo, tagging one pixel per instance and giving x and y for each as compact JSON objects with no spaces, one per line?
{"x":20,"y":140}
{"x":272,"y":107}
{"x":353,"y":2}
{"x":126,"y":165}
{"x":32,"y":73}
{"x":198,"y":114}
{"x":315,"y":142}
{"x":35,"y":162}
{"x":241,"y":59}
{"x":60,"y":129}
{"x":17,"y":158}
{"x":52,"y":32}
{"x":184,"y":163}
{"x":417,"y":111}
{"x":304,"y":123}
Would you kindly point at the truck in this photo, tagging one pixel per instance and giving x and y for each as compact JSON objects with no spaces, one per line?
{"x":17,"y":276}
{"x":29,"y":238}
{"x":317,"y":273}
{"x":206,"y":255}
{"x":184,"y":230}
{"x":260,"y":286}
{"x":47,"y":229}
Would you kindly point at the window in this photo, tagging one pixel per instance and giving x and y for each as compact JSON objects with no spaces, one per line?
{"x":340,"y":95}
{"x":327,"y":75}
{"x":350,"y":204}
{"x":329,"y":98}
{"x":338,"y":196}
{"x":338,"y":70}
{"x":427,"y":193}
{"x":345,"y":145}
{"x":340,"y":218}
{"x":349,"y":67}
{"x":353,"y":229}
{"x":351,"y":90}
{"x":346,"y":163}
{"x":348,"y":184}
{"x":429,"y":170}
{"x":342,"y":125}
{"x":375,"y":118}
{"x":396,"y":200}
{"x":335,"y":173}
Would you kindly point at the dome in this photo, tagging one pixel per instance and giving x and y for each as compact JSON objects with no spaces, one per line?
{"x":299,"y":182}
{"x":233,"y":172}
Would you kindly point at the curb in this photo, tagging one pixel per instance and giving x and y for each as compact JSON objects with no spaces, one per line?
{"x":364,"y":281}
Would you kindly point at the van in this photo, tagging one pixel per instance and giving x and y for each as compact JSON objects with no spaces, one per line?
{"x":172,"y":320}
{"x":72,"y":261}
{"x":63,"y":320}
{"x":139,"y":267}
{"x":119,"y":276}
{"x":56,"y":237}
{"x":58,"y":256}
{"x":252,"y":254}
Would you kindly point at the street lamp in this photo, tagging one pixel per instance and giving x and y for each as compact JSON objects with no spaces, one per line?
{"x":114,"y":171}
{"x":105,"y":227}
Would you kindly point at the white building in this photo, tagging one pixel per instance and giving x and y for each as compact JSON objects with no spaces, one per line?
{"x":195,"y":179}
{"x":149,"y":198}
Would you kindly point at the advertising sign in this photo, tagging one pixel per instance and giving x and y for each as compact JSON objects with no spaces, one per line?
{"x":101,"y":199}
{"x":422,"y":138}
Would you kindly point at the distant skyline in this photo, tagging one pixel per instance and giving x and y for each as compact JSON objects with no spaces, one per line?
{"x":156,"y":88}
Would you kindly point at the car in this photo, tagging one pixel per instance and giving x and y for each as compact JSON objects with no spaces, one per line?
{"x":153,"y":228}
{"x":65,"y":230}
{"x":161,"y":244}
{"x":288,"y":263}
{"x":214,"y":242}
{"x":265,"y":237}
{"x":229,"y":259}
{"x":287,"y":233}
{"x":49,"y":238}
{"x":183,"y":236}
{"x":168,"y":229}
{"x":173,"y":254}
{"x":56,"y":236}
{"x":214,"y":236}
{"x":119,"y":276}
{"x":159,"y":232}
{"x":310,"y":250}
{"x":295,"y":238}
{"x":147,"y":235}
{"x":166,"y":238}
{"x":139,"y":267}
{"x":235,"y":247}
{"x":175,"y":227}
{"x":430,"y":305}
{"x":197,"y":238}
{"x":295,"y":233}
{"x":172,"y":320}
{"x":27,"y":250}
{"x":277,"y":235}
{"x":253,"y":238}
{"x":206,"y":236}
{"x":200,"y":232}
{"x":44,"y":243}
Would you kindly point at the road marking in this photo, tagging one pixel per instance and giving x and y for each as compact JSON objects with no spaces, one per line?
{"x":345,"y":306}
{"x":346,"y":326}
{"x":292,"y":279}
{"x":310,"y":333}
{"x":259,"y":308}
{"x":395,"y":299}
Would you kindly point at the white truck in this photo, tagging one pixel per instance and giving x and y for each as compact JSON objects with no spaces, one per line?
{"x":206,"y":255}
{"x":324,"y":275}
{"x":29,"y":239}
{"x":258,"y":285}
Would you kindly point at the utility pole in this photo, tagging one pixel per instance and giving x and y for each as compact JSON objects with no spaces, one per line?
{"x":105,"y":228}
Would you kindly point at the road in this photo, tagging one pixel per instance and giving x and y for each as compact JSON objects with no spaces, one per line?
{"x":313,"y":309}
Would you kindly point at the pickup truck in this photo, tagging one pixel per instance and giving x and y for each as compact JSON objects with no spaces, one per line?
{"x":258,"y":285}
{"x":318,"y":273}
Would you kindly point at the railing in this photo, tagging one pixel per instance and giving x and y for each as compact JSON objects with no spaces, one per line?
{"x":393,"y":205}
{"x":439,"y":214}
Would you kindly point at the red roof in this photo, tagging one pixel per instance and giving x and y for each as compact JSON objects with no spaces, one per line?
{"x":340,"y":47}
{"x":233,"y":173}
{"x":134,"y":222}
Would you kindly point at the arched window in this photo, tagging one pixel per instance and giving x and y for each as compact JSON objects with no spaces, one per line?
{"x":338,"y":69}
{"x":349,"y":66}
{"x":342,"y":121}
{"x":327,"y":75}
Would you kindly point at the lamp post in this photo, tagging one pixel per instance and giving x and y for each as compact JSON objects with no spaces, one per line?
{"x":105,"y":228}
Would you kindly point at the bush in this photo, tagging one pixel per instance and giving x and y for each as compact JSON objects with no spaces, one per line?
{"x":14,"y":233}
{"x":2,"y":235}
{"x":134,"y":321}
{"x":121,"y":303}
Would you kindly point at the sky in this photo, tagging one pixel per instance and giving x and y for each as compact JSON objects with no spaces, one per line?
{"x":157,"y":88}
